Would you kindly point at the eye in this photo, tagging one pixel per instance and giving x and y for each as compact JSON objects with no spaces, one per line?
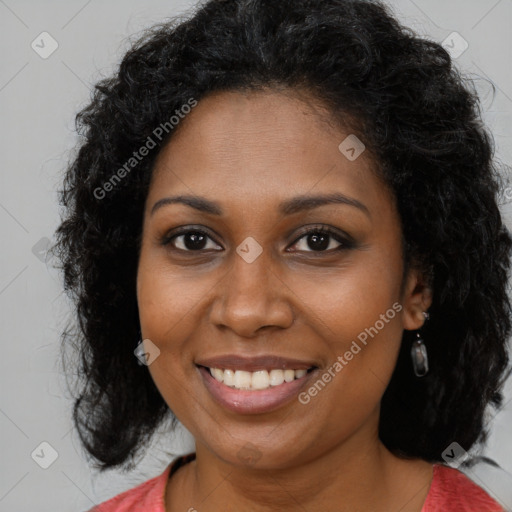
{"x":321,"y":239}
{"x":316,"y":239}
{"x":190,"y":240}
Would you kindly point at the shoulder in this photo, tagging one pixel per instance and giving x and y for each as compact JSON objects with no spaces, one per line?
{"x":454,"y":491}
{"x":146,"y":497}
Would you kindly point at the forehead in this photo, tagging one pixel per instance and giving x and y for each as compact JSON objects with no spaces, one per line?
{"x":263,"y":147}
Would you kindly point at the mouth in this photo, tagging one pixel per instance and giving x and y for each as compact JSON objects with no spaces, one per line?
{"x":258,"y":380}
{"x":257,"y":385}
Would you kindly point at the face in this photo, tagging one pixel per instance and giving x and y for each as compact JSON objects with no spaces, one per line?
{"x":252,"y":275}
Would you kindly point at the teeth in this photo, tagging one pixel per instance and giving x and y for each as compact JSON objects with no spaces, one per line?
{"x":276,"y":377}
{"x":261,"y":379}
{"x":218,"y":374}
{"x":243,"y":380}
{"x":229,"y":377}
{"x":289,"y":375}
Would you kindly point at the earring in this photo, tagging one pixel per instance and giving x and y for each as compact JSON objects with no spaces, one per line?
{"x":419,"y":353}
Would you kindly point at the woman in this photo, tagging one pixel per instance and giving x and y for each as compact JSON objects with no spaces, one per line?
{"x":288,"y":212}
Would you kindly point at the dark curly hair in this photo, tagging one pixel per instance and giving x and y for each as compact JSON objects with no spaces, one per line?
{"x":422,"y":123}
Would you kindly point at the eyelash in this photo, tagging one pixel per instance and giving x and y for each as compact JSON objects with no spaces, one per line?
{"x":346,"y":242}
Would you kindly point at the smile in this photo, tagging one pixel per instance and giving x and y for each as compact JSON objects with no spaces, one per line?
{"x":256,"y":392}
{"x":258,"y":380}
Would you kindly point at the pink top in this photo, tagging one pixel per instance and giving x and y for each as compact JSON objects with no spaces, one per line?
{"x":450,"y":491}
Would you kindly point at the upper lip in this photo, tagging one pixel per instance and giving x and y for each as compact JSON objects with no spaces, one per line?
{"x":264,"y":362}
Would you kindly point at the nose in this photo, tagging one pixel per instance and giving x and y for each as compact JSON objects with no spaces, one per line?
{"x":251,"y":297}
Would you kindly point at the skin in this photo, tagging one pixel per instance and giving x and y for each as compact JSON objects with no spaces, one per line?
{"x":249,"y":152}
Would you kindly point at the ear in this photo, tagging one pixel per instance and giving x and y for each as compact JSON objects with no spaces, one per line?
{"x":417,"y":298}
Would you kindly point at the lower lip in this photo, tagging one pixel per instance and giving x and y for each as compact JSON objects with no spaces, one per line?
{"x":253,"y":402}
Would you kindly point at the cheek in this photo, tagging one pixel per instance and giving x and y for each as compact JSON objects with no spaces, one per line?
{"x":166,"y":297}
{"x":361,"y":340}
{"x":358,"y":318}
{"x":346,"y":302}
{"x":165,"y":312}
{"x":171,"y":307}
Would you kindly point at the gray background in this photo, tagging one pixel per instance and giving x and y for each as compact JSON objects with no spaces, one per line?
{"x":38,"y":100}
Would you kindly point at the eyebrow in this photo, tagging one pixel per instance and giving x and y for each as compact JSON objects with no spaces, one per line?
{"x":288,"y":207}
